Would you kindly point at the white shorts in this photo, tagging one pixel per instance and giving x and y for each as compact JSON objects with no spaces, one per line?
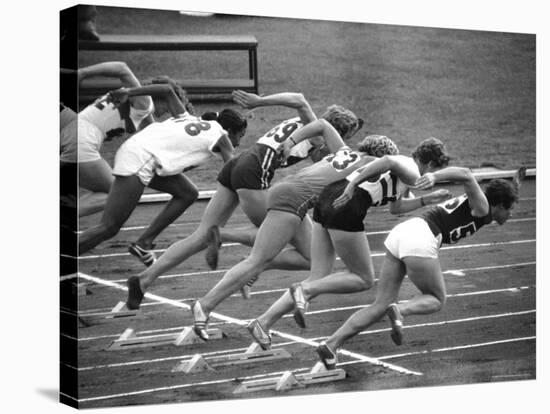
{"x":132,"y":159}
{"x":413,"y":238}
{"x":68,"y":146}
{"x":90,"y":139}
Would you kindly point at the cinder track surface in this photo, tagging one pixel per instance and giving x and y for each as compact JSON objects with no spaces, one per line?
{"x":485,"y":333}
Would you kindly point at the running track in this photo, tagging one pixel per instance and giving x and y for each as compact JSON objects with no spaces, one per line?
{"x":486,"y":333}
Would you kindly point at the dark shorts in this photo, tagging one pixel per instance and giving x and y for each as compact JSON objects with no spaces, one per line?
{"x":292,"y":196}
{"x":348,"y":218}
{"x":253,"y":169}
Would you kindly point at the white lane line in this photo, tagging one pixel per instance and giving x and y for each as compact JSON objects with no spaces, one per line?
{"x":281,"y":344}
{"x":228,"y":380}
{"x":457,"y":348}
{"x":215,"y":272}
{"x":120,"y":254}
{"x":441,"y":323}
{"x":247,"y":223}
{"x":319,"y":312}
{"x":243,"y":322}
{"x":264,"y":292}
{"x":156,"y":360}
{"x":510,"y":376}
{"x":161,"y":299}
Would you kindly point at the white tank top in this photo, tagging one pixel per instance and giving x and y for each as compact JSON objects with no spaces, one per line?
{"x":112,"y":121}
{"x":179,"y":143}
{"x":387,"y":188}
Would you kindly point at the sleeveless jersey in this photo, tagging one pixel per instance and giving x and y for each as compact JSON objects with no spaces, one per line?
{"x":331,"y":168}
{"x":112,"y":121}
{"x":388,"y":187}
{"x":265,"y":149}
{"x":179,"y":143}
{"x":453,"y":219}
{"x":279,"y":134}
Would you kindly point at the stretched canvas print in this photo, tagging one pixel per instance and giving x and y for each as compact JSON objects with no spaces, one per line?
{"x":262,"y":207}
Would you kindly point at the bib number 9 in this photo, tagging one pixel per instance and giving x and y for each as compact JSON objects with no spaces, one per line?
{"x":285,"y":131}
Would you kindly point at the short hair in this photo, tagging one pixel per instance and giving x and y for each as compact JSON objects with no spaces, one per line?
{"x":176,"y":87}
{"x":432,"y":150}
{"x":229,"y":119}
{"x":343,"y":120}
{"x":501,"y":192}
{"x":378,"y":146}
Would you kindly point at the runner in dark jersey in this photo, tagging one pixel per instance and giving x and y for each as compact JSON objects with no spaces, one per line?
{"x":244,"y":181}
{"x":412,"y":249}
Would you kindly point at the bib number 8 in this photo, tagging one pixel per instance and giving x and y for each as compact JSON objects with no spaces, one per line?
{"x":195,"y":128}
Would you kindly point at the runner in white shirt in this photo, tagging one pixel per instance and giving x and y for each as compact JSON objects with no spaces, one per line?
{"x":83,"y":136}
{"x":156,"y":157}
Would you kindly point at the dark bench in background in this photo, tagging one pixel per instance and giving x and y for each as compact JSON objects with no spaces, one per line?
{"x":91,"y":88}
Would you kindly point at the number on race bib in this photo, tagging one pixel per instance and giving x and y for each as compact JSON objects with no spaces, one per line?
{"x":342,"y":160}
{"x":192,"y":128}
{"x":195,"y":128}
{"x":286,"y":131}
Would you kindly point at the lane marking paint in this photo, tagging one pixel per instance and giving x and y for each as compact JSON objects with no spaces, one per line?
{"x":458,"y":348}
{"x":271,"y":291}
{"x":260,"y":376}
{"x":318,"y":312}
{"x":89,"y":257}
{"x":279,"y":345}
{"x":247,"y":223}
{"x":215,"y":272}
{"x":239,"y":322}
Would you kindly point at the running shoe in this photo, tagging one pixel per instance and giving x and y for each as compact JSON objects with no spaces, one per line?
{"x":147,"y":257}
{"x":200,"y":321}
{"x":327,"y":356}
{"x":297,"y":293}
{"x":396,"y":321}
{"x":259,"y":334}
{"x":135,"y":294}
{"x":245,"y":290}
{"x":214,"y":242}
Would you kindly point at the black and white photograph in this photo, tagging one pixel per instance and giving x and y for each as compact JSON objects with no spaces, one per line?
{"x":278,"y":207}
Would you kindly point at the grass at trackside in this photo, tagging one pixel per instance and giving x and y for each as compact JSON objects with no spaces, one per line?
{"x":474,"y":90}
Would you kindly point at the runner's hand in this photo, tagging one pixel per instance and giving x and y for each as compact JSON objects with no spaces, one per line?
{"x":345,"y":197}
{"x":425,"y":182}
{"x":245,"y":99}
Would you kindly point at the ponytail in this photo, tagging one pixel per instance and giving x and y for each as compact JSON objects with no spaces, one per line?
{"x":229,"y":119}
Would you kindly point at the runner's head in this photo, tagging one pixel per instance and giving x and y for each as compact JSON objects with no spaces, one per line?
{"x":378,"y":146}
{"x":502,"y":196}
{"x":230,"y":120}
{"x":430,"y":155}
{"x":343,"y":120}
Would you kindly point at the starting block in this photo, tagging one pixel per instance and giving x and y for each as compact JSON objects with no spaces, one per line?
{"x":288,"y":380}
{"x":254,"y":353}
{"x":120,"y":311}
{"x":131,"y":340}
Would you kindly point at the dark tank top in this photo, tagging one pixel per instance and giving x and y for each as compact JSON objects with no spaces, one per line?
{"x":453,"y":219}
